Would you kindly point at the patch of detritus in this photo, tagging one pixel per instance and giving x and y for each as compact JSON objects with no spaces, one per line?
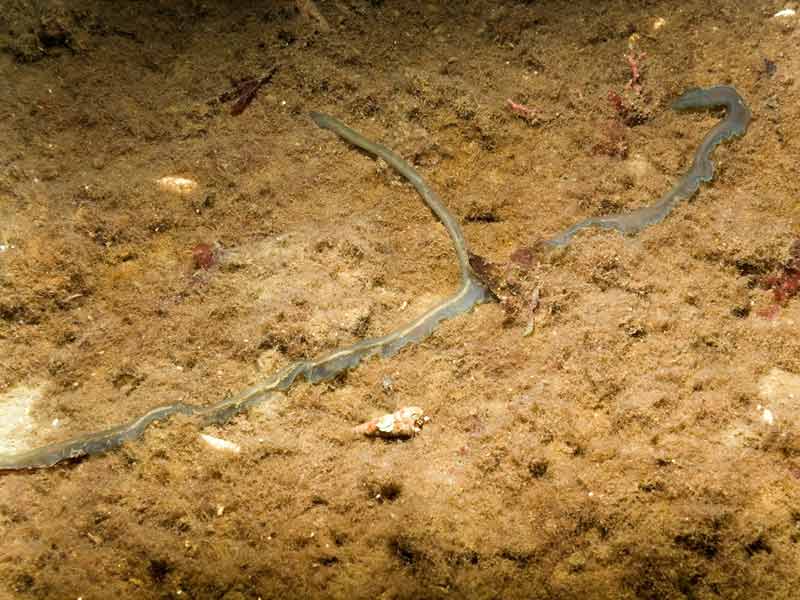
{"x":538,"y":468}
{"x":158,"y":569}
{"x":702,"y":543}
{"x":514,"y":282}
{"x":384,"y":490}
{"x":60,"y":282}
{"x":407,"y":552}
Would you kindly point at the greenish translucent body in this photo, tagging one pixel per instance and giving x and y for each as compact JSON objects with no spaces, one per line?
{"x":737,"y":117}
{"x":470,"y":293}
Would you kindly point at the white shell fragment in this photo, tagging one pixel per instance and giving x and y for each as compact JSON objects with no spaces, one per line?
{"x":177,"y":185}
{"x":405,"y":422}
{"x":220,"y":444}
{"x":786,"y":12}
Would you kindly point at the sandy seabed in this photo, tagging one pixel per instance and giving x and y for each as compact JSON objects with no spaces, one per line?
{"x":643,"y":442}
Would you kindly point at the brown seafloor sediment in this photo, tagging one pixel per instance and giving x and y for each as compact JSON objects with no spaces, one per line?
{"x":640,"y":443}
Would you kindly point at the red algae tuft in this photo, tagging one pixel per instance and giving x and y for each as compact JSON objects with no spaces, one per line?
{"x":784,"y":285}
{"x":203,"y":256}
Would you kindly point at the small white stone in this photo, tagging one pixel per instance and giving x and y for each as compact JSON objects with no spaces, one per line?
{"x":177,"y":185}
{"x":786,"y":12}
{"x":220,"y":444}
{"x":659,"y":23}
{"x":768,"y":417}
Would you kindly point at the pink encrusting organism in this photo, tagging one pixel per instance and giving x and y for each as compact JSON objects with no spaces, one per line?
{"x":634,"y":62}
{"x":526,"y":112}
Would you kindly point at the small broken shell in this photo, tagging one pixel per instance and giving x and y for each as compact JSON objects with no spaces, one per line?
{"x":405,"y":422}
